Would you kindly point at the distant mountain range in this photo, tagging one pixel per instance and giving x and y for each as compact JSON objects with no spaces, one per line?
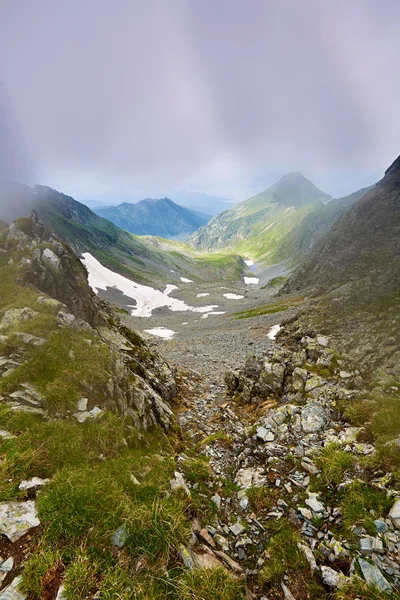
{"x":160,"y":217}
{"x":145,"y":259}
{"x":282,"y":222}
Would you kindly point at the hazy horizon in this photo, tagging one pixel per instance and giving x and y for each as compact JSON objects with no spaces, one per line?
{"x":218,"y":98}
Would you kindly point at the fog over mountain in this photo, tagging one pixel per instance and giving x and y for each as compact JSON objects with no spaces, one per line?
{"x":219,"y":97}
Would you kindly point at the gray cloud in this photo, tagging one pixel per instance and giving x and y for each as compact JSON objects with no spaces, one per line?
{"x":219,"y":96}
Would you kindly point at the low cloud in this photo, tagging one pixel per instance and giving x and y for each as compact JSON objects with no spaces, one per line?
{"x":218,"y":96}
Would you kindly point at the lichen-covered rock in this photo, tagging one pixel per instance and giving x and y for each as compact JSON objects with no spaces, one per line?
{"x":314,"y":417}
{"x":14,"y":316}
{"x":16,"y":518}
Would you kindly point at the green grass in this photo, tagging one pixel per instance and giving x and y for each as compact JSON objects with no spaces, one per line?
{"x":284,"y":554}
{"x":64,"y":369}
{"x":275,"y":282}
{"x":268,"y":309}
{"x":210,"y":584}
{"x":361,"y":504}
{"x":333,"y":462}
{"x":91,"y":494}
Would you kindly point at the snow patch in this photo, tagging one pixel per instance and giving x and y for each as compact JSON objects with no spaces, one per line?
{"x":186,"y":280}
{"x":147,"y":298}
{"x":203,"y":295}
{"x":162,"y":332}
{"x":251,"y":280}
{"x":249,"y":262}
{"x":233,"y":296}
{"x":273,"y":331}
{"x":213,"y":313}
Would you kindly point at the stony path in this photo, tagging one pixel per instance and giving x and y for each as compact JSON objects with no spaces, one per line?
{"x":263,"y":456}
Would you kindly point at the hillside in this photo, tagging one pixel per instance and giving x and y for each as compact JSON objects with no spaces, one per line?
{"x":315,"y":225}
{"x":257,"y":226}
{"x":355,"y":270}
{"x":158,"y":217}
{"x":145,"y":259}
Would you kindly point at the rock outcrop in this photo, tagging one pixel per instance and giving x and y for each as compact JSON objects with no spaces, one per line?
{"x":138,"y":383}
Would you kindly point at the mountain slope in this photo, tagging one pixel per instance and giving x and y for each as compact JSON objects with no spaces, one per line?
{"x":160,"y":217}
{"x":355,"y":272}
{"x":144,"y":259}
{"x":316,"y":224}
{"x":256,"y":226}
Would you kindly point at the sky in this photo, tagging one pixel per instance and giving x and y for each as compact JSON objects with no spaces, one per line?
{"x":128,"y":99}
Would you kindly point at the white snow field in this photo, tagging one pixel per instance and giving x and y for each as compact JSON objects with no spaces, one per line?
{"x":162,"y":332}
{"x":209,"y":314}
{"x":249,"y":262}
{"x":233,"y":296}
{"x":202,"y":295}
{"x":273,"y":331}
{"x":147,"y":298}
{"x":251,"y":280}
{"x":186,"y":280}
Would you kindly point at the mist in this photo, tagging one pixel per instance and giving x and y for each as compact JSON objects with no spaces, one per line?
{"x":133,"y":99}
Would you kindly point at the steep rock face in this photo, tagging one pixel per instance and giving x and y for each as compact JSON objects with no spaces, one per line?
{"x":160,"y":217}
{"x":134,"y":381}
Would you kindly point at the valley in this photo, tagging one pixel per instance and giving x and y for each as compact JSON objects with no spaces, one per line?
{"x":199,"y":425}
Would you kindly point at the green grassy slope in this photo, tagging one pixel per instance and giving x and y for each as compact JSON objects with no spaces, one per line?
{"x":146,"y":259}
{"x":256,"y":226}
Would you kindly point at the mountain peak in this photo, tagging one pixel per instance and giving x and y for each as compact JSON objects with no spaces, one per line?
{"x":294,"y":189}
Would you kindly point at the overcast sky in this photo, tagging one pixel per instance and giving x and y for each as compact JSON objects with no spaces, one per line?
{"x":136,"y":98}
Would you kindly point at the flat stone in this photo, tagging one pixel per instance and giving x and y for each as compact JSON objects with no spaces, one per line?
{"x":322,"y":341}
{"x":249,"y":477}
{"x":96,"y":412}
{"x":265,"y":435}
{"x":305,"y":512}
{"x":237,"y":528}
{"x":119,"y":537}
{"x":217,"y":500}
{"x":16,"y":518}
{"x":6,"y":435}
{"x":81,"y":405}
{"x":203,"y":533}
{"x":345,"y":374}
{"x":82,"y":416}
{"x":373,"y":576}
{"x":186,"y":557}
{"x":333,"y":578}
{"x":377,"y":545}
{"x":221,"y":541}
{"x":229,"y":561}
{"x":309,"y":556}
{"x":178,"y":483}
{"x":7,"y":565}
{"x":380,"y":526}
{"x":205,"y":561}
{"x":32,"y":483}
{"x":13,"y":591}
{"x":314,"y":503}
{"x":394,"y":514}
{"x":244,"y":502}
{"x":287,"y":594}
{"x":61,"y":593}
